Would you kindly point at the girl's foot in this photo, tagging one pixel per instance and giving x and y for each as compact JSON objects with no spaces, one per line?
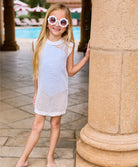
{"x":21,"y":164}
{"x":51,"y":162}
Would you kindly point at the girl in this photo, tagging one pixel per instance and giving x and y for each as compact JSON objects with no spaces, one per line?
{"x":52,"y":63}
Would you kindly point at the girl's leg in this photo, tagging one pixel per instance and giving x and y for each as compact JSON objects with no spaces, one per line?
{"x":55,"y":132}
{"x":37,"y":127}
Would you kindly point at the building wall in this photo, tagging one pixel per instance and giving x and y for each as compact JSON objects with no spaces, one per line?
{"x":68,"y":3}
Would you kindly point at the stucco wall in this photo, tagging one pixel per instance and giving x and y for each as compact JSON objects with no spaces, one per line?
{"x":69,"y":3}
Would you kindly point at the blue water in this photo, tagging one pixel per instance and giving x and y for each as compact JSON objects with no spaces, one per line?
{"x":32,"y":33}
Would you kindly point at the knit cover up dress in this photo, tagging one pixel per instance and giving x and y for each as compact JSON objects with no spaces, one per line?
{"x":52,"y":94}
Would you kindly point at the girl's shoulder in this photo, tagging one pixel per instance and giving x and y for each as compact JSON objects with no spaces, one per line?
{"x":69,"y":44}
{"x":62,"y":44}
{"x":69,"y":47}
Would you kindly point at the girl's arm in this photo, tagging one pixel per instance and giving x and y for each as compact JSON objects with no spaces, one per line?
{"x":73,"y":69}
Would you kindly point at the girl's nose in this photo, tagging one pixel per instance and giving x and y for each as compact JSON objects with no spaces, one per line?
{"x":57,"y":23}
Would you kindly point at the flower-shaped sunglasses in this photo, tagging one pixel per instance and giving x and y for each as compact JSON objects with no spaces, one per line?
{"x":63,"y":22}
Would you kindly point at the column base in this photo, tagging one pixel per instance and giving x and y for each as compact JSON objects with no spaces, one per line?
{"x":9,"y":46}
{"x":82,"y":163}
{"x":106,"y":150}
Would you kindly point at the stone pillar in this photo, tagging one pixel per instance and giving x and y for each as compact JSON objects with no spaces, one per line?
{"x":9,"y":25}
{"x":1,"y":23}
{"x":110,"y":138}
{"x":85,"y":25}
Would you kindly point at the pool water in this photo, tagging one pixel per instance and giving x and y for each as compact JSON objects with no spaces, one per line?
{"x":32,"y":33}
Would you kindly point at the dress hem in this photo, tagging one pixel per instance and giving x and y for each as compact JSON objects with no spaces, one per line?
{"x":47,"y":114}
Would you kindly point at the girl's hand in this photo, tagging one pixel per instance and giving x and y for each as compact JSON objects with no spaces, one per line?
{"x":34,"y":98}
{"x":87,"y":54}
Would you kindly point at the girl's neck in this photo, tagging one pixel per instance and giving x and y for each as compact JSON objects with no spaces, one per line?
{"x":54,"y":38}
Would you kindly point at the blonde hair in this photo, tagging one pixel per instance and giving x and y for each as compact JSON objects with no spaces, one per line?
{"x":44,"y":33}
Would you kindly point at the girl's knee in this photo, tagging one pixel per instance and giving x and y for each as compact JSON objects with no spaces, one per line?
{"x":55,"y":123}
{"x":38,"y":125}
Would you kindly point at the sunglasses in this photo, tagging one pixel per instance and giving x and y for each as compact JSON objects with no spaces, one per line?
{"x":63,"y":22}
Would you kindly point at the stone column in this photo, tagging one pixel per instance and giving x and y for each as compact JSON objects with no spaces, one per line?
{"x":110,"y":138}
{"x":9,"y":25}
{"x":1,"y":23}
{"x":85,"y":25}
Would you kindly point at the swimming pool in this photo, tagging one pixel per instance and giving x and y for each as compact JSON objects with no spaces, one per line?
{"x":32,"y":33}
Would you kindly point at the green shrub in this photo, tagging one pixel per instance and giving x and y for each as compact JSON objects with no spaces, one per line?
{"x":43,"y":14}
{"x":34,"y":16}
{"x":47,"y":5}
{"x":23,"y":17}
{"x":28,"y":16}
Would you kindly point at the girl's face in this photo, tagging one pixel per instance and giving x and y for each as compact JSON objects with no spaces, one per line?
{"x":56,"y":30}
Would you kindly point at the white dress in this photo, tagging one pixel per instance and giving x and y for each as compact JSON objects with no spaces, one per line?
{"x":52,"y":94}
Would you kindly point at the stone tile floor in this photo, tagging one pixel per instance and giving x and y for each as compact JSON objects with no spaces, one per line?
{"x":16,"y":110}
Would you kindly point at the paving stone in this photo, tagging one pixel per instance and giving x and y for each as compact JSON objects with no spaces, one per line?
{"x":25,"y":90}
{"x":7,"y":162}
{"x":80,"y":86}
{"x":13,"y":115}
{"x":71,"y":91}
{"x":27,"y":124}
{"x":43,"y":142}
{"x":38,"y":152}
{"x":7,"y":94}
{"x":18,"y":101}
{"x":65,"y":162}
{"x":76,"y":125}
{"x":2,"y":88}
{"x":17,"y":84}
{"x":1,"y":123}
{"x":82,"y":96}
{"x":29,"y":108}
{"x":4,"y":107}
{"x":14,"y":132}
{"x":2,"y":126}
{"x":80,"y":108}
{"x":20,"y":141}
{"x":72,"y":102}
{"x":63,"y":133}
{"x":10,"y":162}
{"x":3,"y":140}
{"x":9,"y":132}
{"x":66,"y":143}
{"x":30,"y":95}
{"x":69,"y":117}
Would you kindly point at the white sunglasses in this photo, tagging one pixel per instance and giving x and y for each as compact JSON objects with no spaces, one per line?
{"x":63,"y":22}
